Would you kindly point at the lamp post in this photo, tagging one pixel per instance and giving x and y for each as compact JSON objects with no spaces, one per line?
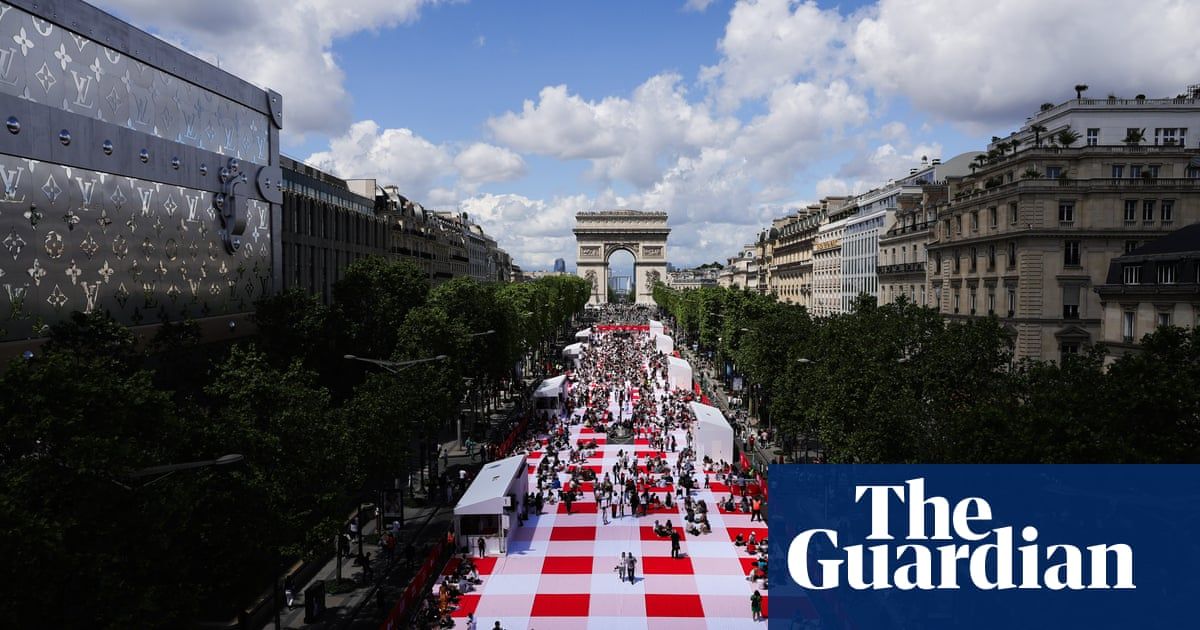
{"x":395,"y":367}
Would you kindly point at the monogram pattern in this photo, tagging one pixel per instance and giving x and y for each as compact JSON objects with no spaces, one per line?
{"x":45,"y":63}
{"x":167,"y":262}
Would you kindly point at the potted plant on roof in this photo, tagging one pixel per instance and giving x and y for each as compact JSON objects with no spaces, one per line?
{"x":1134,"y":137}
{"x":1067,"y":137}
{"x":1037,"y":130}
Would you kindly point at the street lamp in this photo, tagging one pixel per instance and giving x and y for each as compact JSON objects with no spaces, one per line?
{"x":167,"y":469}
{"x":394,"y":366}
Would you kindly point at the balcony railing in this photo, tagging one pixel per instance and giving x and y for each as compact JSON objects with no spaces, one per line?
{"x":911,"y":267}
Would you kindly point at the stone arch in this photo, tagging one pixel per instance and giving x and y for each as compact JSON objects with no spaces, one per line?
{"x":599,"y":234}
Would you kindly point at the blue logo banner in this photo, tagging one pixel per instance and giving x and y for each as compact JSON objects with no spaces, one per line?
{"x":869,"y":547}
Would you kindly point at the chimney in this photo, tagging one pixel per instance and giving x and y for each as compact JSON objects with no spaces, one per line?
{"x":937,"y":161}
{"x":924,"y":159}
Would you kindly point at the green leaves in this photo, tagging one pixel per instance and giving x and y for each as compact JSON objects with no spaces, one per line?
{"x":897,"y":383}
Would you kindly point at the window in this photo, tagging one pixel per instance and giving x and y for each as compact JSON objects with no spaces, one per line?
{"x":1135,"y":170}
{"x":1069,"y":348}
{"x":1127,"y":320}
{"x":1012,"y":302}
{"x":991,"y":300}
{"x":1148,"y":211}
{"x":974,"y":257}
{"x":1193,"y":172}
{"x":1130,"y":246}
{"x":1170,"y":135}
{"x":992,"y":217}
{"x":947,"y":224}
{"x":1167,"y":210}
{"x":937,"y":296}
{"x":1066,"y":212}
{"x":956,"y":301}
{"x":972,"y":300}
{"x":937,"y":261}
{"x":975,"y":221}
{"x":1012,"y":214}
{"x":1053,"y":172}
{"x":1131,"y":210}
{"x":1093,"y":136}
{"x":1166,"y":273}
{"x":1070,"y":297}
{"x":958,"y":224}
{"x":1132,"y":274}
{"x":1012,"y":254}
{"x":956,"y":261}
{"x":1163,"y":318}
{"x":1071,"y":253}
{"x":1153,"y":171}
{"x":991,"y":256}
{"x":1118,"y":171}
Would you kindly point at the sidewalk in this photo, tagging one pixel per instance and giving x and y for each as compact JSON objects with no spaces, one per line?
{"x":716,"y":392}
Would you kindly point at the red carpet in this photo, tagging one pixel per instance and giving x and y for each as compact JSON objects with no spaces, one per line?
{"x":567,"y":565}
{"x":667,"y":566}
{"x":747,"y":564}
{"x":552,"y":605}
{"x":485,"y":566}
{"x":564,"y":534}
{"x":578,"y":508}
{"x":760,"y":533}
{"x":674,"y":606}
{"x":466,"y":605}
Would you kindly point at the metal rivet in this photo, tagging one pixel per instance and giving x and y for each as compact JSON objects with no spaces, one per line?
{"x":204,"y":169}
{"x":107,"y":147}
{"x":175,"y":163}
{"x":144,"y":155}
{"x":14,"y":125}
{"x":64,"y":137}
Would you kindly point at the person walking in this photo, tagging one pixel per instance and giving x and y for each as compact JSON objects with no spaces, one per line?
{"x":631,"y":568}
{"x":482,"y":547}
{"x":756,"y":510}
{"x":621,"y":567}
{"x":602,"y":505}
{"x":756,"y":606}
{"x":675,"y":543}
{"x":471,"y":624}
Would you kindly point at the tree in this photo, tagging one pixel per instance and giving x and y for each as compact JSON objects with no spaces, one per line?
{"x":1037,"y":130}
{"x":1067,"y":137}
{"x":1134,"y":137}
{"x":372,"y":300}
{"x":294,"y":324}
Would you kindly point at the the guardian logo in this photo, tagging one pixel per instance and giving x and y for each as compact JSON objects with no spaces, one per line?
{"x":974,"y":555}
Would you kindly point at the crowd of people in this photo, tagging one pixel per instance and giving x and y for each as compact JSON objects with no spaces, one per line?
{"x":620,"y":386}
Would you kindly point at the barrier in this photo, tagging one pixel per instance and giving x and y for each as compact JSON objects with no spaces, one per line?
{"x":416,"y":588}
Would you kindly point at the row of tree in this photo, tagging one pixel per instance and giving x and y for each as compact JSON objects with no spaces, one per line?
{"x":85,"y":545}
{"x":899,"y":384}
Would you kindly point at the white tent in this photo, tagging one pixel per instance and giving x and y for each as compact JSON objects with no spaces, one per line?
{"x":489,"y":507}
{"x":664,"y":344}
{"x":574,"y":352}
{"x":714,"y":436}
{"x":550,"y":394}
{"x":656,"y":327}
{"x":679,"y":373}
{"x":584,"y":334}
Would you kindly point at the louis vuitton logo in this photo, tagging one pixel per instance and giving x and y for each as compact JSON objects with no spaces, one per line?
{"x":85,"y":190}
{"x":6,"y":60}
{"x":83,"y":87}
{"x":12,"y":181}
{"x":146,"y":194}
{"x":141,"y":102}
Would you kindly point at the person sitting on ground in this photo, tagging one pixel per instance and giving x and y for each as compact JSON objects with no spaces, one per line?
{"x":744,"y":506}
{"x":739,"y":541}
{"x":728,"y":504}
{"x":659,"y":530}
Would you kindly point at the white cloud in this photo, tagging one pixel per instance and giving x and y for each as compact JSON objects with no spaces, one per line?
{"x":995,"y":62}
{"x":285,"y":45}
{"x":769,"y":43}
{"x":700,"y":6}
{"x":393,"y":156}
{"x":483,"y":162}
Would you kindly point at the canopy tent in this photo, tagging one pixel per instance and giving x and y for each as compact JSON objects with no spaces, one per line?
{"x":656,"y":327}
{"x":679,"y":374}
{"x":487,"y":509}
{"x":574,"y":352}
{"x":584,"y":334}
{"x":550,"y":394}
{"x":714,"y":436}
{"x":664,"y":344}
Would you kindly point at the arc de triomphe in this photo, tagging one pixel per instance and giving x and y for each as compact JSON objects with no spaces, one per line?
{"x":643,"y":234}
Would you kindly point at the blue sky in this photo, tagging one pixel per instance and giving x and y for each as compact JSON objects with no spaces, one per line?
{"x":724,"y":114}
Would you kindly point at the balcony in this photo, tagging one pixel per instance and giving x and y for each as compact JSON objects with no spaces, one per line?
{"x":912,"y":267}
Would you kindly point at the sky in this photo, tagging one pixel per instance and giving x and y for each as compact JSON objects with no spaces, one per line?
{"x":725,"y":114}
